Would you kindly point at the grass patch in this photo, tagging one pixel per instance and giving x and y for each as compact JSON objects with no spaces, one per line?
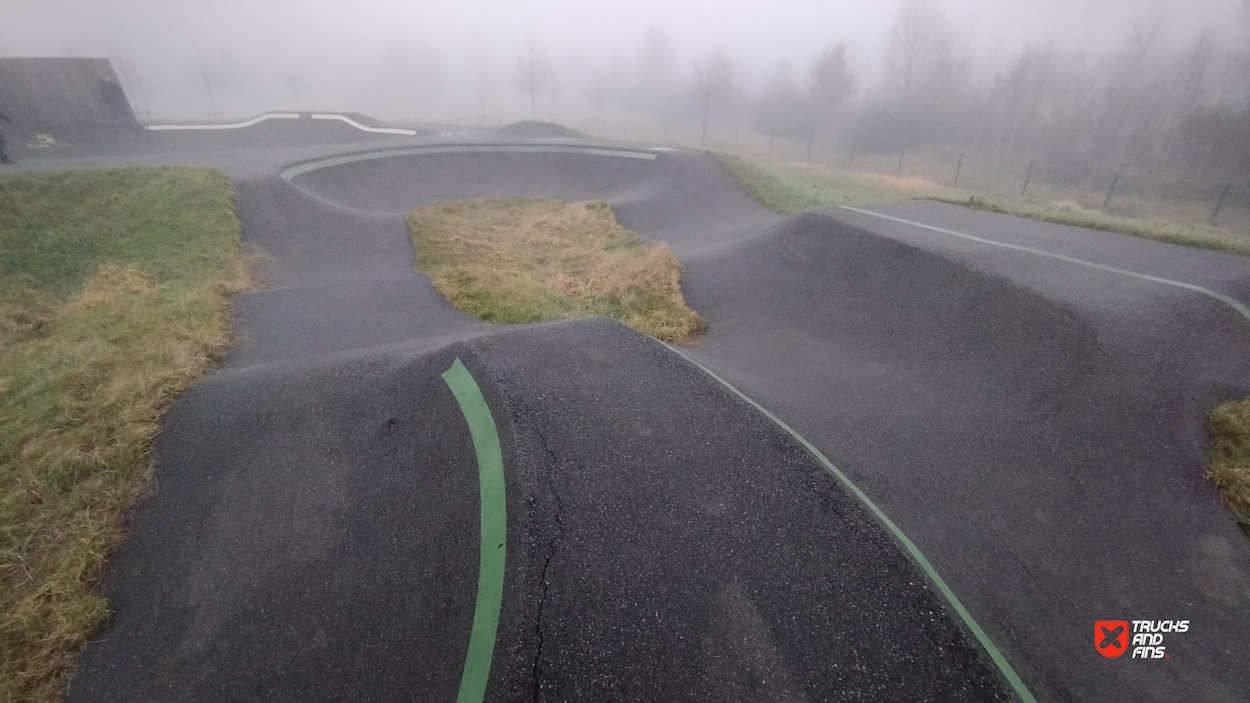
{"x":558,"y":129}
{"x":509,"y":260}
{"x":1230,"y":457}
{"x":113,"y":298}
{"x":1070,"y":213}
{"x":790,"y":187}
{"x":771,"y":189}
{"x":541,"y":126}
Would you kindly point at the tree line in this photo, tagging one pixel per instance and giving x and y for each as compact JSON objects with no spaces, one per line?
{"x":1145,"y":107}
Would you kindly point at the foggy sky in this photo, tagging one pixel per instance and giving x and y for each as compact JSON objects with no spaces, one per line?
{"x":305,"y":46}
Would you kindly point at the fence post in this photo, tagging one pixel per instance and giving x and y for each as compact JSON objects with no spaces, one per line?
{"x":1027,"y":176}
{"x":1111,"y":190}
{"x":1219,"y":204}
{"x":958,"y":166}
{"x":901,"y":154}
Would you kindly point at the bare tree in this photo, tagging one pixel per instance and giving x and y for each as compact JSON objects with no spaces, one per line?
{"x":606,"y":89}
{"x":779,"y":110}
{"x":919,"y":38}
{"x":218,"y":73}
{"x":1132,"y":101}
{"x":1168,"y":118}
{"x":1022,"y":96}
{"x":598,"y":96}
{"x":654,"y":67}
{"x":131,"y":80}
{"x":1189,"y":85}
{"x":830,"y":84}
{"x":713,"y":78}
{"x":533,"y":73}
{"x":207,"y":75}
{"x":926,"y":75}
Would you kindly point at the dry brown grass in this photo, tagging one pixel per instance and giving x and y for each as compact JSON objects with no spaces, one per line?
{"x":1230,"y":456}
{"x":788,"y":187}
{"x":1068,"y":212}
{"x":113,"y":299}
{"x":910,"y":186}
{"x":259,"y":265}
{"x":515,"y":261}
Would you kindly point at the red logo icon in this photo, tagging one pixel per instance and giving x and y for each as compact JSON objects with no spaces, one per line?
{"x":1111,"y":637}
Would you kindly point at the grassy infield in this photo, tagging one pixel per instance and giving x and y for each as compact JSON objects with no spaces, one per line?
{"x":510,"y":261}
{"x":114,"y":288}
{"x":113,"y":294}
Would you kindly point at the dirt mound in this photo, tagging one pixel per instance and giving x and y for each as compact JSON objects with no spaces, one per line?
{"x":537,"y":129}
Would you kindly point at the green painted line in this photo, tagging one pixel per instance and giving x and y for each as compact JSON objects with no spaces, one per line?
{"x":999,"y":660}
{"x":494,"y":532}
{"x":303,"y":168}
{"x":1227,"y":300}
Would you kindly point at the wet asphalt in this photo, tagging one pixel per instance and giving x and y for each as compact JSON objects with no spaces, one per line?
{"x":1034,"y":427}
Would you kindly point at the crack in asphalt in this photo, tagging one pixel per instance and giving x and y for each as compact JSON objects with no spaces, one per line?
{"x":552,"y":547}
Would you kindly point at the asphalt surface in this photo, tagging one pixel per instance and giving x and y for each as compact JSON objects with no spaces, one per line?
{"x":1035,"y":427}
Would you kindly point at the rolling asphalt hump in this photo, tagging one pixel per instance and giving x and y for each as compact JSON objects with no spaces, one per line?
{"x":1036,"y":427}
{"x":314,"y":538}
{"x":1033,"y":428}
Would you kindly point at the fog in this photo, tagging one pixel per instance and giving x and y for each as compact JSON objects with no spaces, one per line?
{"x":1083,"y":85}
{"x":448,"y":61}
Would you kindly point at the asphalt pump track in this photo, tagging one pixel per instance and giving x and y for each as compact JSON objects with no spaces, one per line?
{"x":907,"y":462}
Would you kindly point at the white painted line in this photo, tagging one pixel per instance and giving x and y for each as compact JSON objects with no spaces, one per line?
{"x":462,"y":149}
{"x":363,"y":128}
{"x":228,"y":125}
{"x":1242,"y":309}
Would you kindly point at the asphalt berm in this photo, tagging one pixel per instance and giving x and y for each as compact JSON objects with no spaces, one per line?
{"x":1034,"y":427}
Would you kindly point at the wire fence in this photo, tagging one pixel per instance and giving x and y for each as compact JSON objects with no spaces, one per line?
{"x":1196,"y":199}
